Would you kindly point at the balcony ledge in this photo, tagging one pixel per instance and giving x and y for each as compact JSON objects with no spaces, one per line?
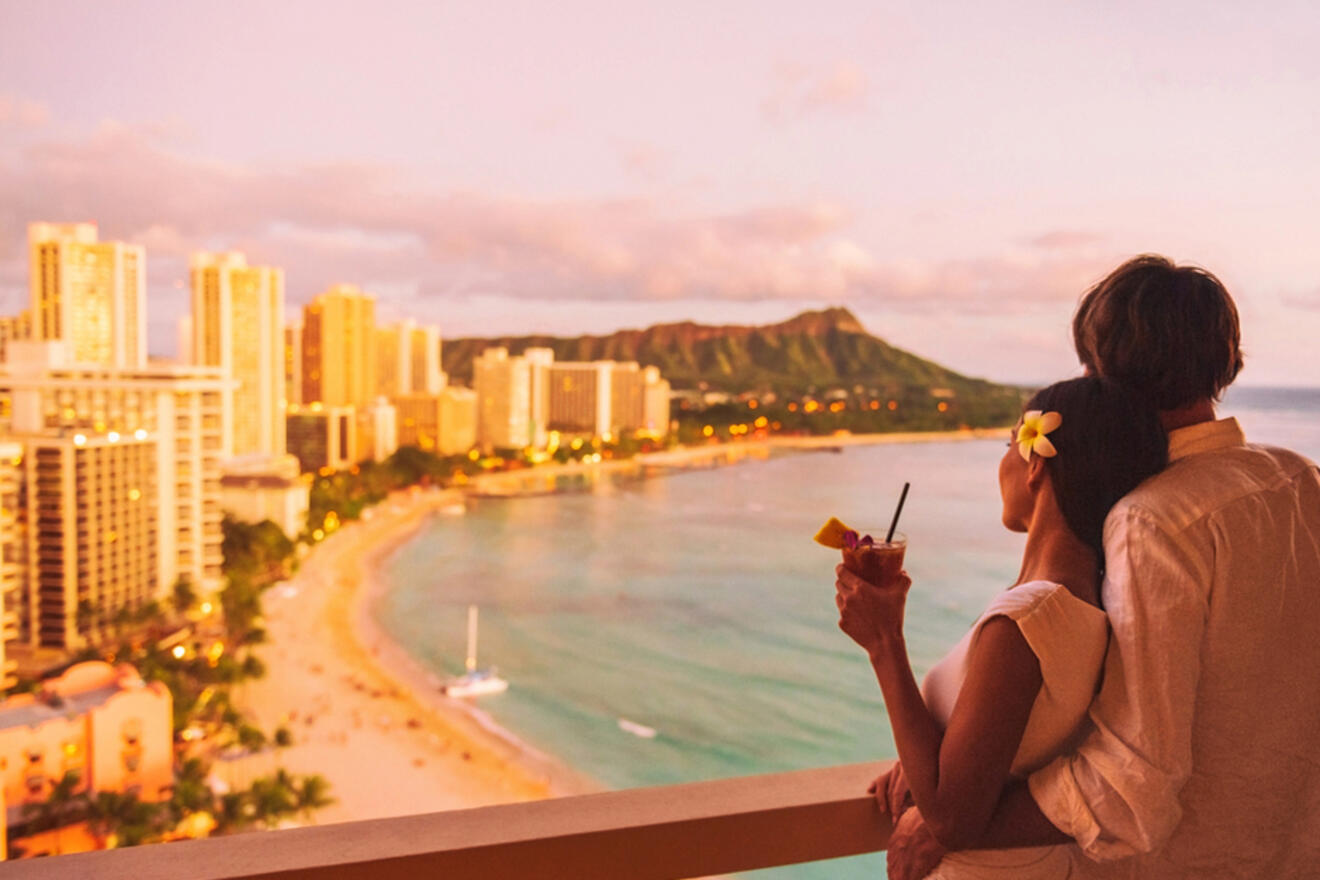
{"x":662,"y":833}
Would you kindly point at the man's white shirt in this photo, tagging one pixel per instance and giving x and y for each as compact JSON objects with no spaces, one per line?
{"x":1204,"y":759}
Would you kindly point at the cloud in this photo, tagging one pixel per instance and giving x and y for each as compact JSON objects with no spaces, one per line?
{"x":800,"y":90}
{"x":22,"y":112}
{"x":1065,"y":239}
{"x":644,"y":161}
{"x":325,"y":223}
{"x":1308,"y":302}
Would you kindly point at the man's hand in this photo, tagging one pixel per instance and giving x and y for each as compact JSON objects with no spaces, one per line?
{"x":913,"y":850}
{"x":891,"y":792}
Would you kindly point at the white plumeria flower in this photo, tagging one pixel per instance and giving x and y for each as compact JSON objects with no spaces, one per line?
{"x":1031,"y":436}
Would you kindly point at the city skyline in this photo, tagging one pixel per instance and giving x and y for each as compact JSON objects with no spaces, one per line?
{"x":956,"y":183}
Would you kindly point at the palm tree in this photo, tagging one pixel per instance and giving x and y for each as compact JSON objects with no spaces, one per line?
{"x":58,"y":808}
{"x":192,"y":793}
{"x":272,"y":798}
{"x":312,"y":793}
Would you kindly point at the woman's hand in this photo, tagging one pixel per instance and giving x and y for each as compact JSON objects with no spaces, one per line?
{"x":891,"y":792}
{"x":871,"y":614}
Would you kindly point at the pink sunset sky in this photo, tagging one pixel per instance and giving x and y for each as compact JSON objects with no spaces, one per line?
{"x":955,"y":176}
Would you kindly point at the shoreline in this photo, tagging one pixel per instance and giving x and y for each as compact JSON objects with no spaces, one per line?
{"x":362,"y":709}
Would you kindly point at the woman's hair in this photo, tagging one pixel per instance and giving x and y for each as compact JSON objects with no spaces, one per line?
{"x":1169,"y":333}
{"x":1108,"y":442}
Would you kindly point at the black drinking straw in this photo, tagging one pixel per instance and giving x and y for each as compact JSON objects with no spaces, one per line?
{"x":897,"y":510}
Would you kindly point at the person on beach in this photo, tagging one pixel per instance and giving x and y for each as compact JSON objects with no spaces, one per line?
{"x":1014,"y":692}
{"x":1201,"y":758}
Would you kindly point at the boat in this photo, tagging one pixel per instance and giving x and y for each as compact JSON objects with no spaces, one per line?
{"x":636,"y":729}
{"x":474,"y":682}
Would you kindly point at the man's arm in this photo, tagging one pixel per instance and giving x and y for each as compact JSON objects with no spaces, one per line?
{"x":1117,"y":795}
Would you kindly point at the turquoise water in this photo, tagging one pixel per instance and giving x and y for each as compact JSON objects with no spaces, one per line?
{"x":696,"y":604}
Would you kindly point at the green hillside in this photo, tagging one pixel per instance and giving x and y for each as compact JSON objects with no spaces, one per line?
{"x":816,"y":353}
{"x":812,"y":352}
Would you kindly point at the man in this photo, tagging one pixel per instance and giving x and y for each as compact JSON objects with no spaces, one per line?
{"x":1204,"y":755}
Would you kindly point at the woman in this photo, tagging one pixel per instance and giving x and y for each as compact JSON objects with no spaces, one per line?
{"x":1015,"y":690}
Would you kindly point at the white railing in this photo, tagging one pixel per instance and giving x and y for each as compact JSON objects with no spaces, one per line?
{"x":662,"y":833}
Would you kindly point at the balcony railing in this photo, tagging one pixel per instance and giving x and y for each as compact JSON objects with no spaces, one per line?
{"x":663,"y":833}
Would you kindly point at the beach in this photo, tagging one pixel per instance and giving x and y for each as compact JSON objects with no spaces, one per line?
{"x":367,"y":716}
{"x":362,"y":714}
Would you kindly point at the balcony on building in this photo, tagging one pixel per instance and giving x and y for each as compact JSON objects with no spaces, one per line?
{"x":663,"y":833}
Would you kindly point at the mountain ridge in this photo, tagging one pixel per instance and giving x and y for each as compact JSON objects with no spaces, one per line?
{"x":813,"y":350}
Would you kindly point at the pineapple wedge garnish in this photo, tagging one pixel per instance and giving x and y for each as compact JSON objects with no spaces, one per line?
{"x":832,"y":534}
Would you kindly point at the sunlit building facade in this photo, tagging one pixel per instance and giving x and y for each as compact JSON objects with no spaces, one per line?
{"x":257,"y":489}
{"x":101,"y":722}
{"x":92,"y":535}
{"x":293,"y":364}
{"x":579,"y":397}
{"x":14,"y":327}
{"x":180,"y":407}
{"x":444,"y":423}
{"x":238,"y":325}
{"x":655,"y":403}
{"x":408,"y":359}
{"x":13,"y":555}
{"x":323,"y":437}
{"x":339,"y":348}
{"x":89,"y":293}
{"x":504,"y":400}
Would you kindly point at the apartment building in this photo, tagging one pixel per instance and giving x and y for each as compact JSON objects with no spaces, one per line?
{"x":91,"y":535}
{"x":339,"y":348}
{"x":88,"y":292}
{"x":42,"y":394}
{"x":238,"y":325}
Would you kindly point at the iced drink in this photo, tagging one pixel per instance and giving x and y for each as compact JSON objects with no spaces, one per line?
{"x":876,"y":562}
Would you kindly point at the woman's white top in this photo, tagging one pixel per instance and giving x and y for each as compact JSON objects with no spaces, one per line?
{"x":1069,"y":638}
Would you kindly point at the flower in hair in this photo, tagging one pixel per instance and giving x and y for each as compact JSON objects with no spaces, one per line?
{"x":1031,"y":436}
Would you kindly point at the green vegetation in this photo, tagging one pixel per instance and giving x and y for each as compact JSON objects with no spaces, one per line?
{"x":128,"y":821}
{"x":814,"y":351}
{"x":200,"y":650}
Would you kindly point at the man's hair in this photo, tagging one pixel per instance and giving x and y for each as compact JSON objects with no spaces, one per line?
{"x":1110,"y":440}
{"x":1169,"y":333}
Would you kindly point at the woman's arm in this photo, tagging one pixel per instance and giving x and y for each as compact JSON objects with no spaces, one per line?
{"x":956,"y":775}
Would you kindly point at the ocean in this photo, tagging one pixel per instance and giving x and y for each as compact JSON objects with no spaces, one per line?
{"x":696,"y":603}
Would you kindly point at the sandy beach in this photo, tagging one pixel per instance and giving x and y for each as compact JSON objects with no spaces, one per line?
{"x":367,"y":716}
{"x":362,"y":713}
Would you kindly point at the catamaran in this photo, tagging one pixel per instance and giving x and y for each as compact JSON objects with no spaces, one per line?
{"x":474,"y":682}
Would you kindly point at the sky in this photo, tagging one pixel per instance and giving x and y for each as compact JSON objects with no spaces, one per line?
{"x":955,"y":174}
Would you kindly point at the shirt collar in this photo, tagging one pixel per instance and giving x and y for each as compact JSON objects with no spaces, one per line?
{"x":1205,"y":437}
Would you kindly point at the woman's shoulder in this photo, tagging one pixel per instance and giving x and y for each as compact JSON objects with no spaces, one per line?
{"x":1025,"y":600}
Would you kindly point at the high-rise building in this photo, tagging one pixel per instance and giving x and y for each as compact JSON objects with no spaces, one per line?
{"x":323,"y":437}
{"x":92,"y":526}
{"x":90,"y":293}
{"x":444,"y":423}
{"x":627,"y":398}
{"x":238,"y":325}
{"x":293,"y":364}
{"x":339,"y":348}
{"x":180,"y":407}
{"x":382,"y":437}
{"x":655,"y":403}
{"x":579,"y":396}
{"x":13,"y":555}
{"x":14,"y":327}
{"x":458,"y":421}
{"x":408,"y":359}
{"x":504,"y":400}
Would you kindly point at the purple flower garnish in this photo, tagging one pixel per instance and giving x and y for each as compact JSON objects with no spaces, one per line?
{"x":867,"y":541}
{"x":850,"y":539}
